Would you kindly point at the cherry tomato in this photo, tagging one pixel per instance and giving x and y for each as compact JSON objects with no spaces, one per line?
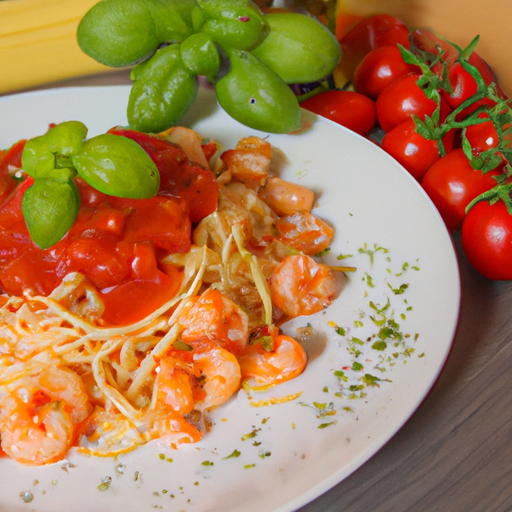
{"x":451,"y":183}
{"x":461,"y":81}
{"x":413,"y":151}
{"x":482,"y":136}
{"x":370,"y":33}
{"x":402,"y":99}
{"x":350,"y":109}
{"x":487,"y":240}
{"x":380,"y":68}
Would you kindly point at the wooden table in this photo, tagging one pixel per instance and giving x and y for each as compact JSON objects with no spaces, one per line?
{"x":455,"y":453}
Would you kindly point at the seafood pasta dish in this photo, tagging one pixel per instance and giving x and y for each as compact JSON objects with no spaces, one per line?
{"x":148,"y":312}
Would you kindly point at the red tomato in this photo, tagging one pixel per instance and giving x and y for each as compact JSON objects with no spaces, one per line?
{"x":380,"y":68}
{"x":178,"y":177}
{"x":350,"y":109}
{"x":414,"y":152}
{"x":98,"y":260}
{"x":31,"y":270}
{"x":10,"y":160}
{"x":451,"y":183}
{"x":133,"y":300}
{"x":482,"y":136}
{"x":487,"y":240}
{"x":402,"y":99}
{"x":462,"y":83}
{"x":161,"y":220}
{"x":368,"y":34}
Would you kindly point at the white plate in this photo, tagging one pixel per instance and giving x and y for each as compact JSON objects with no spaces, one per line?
{"x":285,"y":459}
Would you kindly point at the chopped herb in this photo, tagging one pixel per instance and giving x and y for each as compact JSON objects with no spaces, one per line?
{"x":357,"y":366}
{"x":249,"y":466}
{"x":380,"y":345}
{"x":250,"y":435}
{"x":370,"y":380}
{"x":106,"y":482}
{"x":369,"y":280}
{"x":343,"y":256}
{"x":341,"y":375}
{"x":324,"y":425}
{"x":181,"y":345}
{"x":327,"y":250}
{"x":267,"y":342}
{"x":400,"y":290}
{"x":207,"y":463}
{"x":372,"y":252}
{"x":233,"y":454}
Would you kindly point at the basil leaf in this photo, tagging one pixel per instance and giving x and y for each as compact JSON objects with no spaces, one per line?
{"x":123,"y":32}
{"x":117,"y":166}
{"x":39,"y":154}
{"x":256,"y":96}
{"x":298,"y":48}
{"x":50,"y":207}
{"x":163,"y":91}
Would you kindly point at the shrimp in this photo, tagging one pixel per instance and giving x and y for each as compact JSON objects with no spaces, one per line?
{"x":222,"y":376}
{"x":212,"y":316}
{"x":301,"y":286}
{"x":305,"y":232}
{"x":39,"y":414}
{"x":286,"y":198}
{"x":249,"y":162}
{"x":174,"y":385}
{"x":285,"y":361}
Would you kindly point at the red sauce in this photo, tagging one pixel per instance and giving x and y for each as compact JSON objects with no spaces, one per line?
{"x":117,"y":243}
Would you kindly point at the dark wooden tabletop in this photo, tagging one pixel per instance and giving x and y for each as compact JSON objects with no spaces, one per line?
{"x":455,"y":453}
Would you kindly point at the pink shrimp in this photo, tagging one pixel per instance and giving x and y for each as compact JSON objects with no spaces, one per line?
{"x":213,"y":317}
{"x":305,"y":232}
{"x":285,"y":361}
{"x":301,"y":286}
{"x":222,"y":376}
{"x":39,"y":415}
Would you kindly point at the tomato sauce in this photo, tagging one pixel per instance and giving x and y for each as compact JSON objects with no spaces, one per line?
{"x":117,"y":243}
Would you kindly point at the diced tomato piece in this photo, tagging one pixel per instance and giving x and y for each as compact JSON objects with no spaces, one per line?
{"x":98,"y":260}
{"x":178,"y":177}
{"x":133,"y":300}
{"x":162,"y":220}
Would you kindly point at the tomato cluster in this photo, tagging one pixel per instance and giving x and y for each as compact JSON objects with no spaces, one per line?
{"x":439,"y":111}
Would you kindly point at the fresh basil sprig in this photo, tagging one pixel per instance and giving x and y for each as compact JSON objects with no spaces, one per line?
{"x":112,"y":164}
{"x":231,"y":43}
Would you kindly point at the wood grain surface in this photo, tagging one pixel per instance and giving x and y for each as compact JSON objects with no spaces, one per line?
{"x":455,"y":452}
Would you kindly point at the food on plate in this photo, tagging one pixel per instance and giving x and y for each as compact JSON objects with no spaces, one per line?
{"x":148,"y":312}
{"x":249,"y":56}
